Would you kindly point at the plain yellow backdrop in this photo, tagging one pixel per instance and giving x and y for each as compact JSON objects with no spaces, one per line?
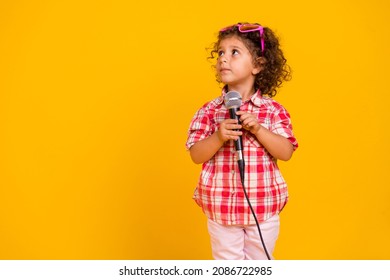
{"x":96,"y":98}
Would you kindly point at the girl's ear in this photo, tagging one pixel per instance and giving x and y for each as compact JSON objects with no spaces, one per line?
{"x":259,"y":65}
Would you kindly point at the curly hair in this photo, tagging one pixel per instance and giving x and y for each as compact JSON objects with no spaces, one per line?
{"x":274,"y":65}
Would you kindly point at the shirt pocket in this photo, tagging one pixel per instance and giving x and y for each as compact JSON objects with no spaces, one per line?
{"x":265,"y":122}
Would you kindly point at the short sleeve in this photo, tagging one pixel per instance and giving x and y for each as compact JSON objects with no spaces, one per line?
{"x":281,"y":124}
{"x":199,"y":128}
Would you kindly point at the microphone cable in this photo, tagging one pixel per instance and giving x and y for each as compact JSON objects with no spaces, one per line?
{"x":254,"y":215}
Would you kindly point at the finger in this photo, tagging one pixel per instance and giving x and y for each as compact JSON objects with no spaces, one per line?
{"x":230,"y":121}
{"x":235,"y":126}
{"x":233,"y":133}
{"x":246,"y":127}
{"x":233,"y":137}
{"x":236,"y":132}
{"x":245,"y":122}
{"x":244,"y":119}
{"x":226,"y":123}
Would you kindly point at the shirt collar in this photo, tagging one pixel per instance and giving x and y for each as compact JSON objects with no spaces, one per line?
{"x":256,"y":98}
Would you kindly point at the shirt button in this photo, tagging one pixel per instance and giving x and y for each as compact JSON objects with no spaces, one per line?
{"x":232,"y":171}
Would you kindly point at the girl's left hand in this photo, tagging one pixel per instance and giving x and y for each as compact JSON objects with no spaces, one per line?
{"x":249,"y":122}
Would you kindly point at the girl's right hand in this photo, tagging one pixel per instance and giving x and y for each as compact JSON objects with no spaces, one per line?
{"x":229,"y":129}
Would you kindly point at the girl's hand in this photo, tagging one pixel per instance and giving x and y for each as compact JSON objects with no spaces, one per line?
{"x":249,"y":122}
{"x":229,"y":130}
{"x":277,"y":145}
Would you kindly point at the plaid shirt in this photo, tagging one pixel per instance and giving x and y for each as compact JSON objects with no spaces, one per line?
{"x":219,"y":190}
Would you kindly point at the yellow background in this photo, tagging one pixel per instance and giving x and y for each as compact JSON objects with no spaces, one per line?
{"x":96,"y":98}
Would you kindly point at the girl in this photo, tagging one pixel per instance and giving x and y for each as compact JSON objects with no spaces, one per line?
{"x":250,"y":62}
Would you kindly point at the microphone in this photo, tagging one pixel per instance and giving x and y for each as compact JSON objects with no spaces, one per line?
{"x":233,"y":103}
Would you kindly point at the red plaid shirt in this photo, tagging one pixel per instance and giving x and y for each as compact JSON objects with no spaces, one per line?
{"x":219,"y":190}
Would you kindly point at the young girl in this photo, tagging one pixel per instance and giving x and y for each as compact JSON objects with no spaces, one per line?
{"x":250,"y":62}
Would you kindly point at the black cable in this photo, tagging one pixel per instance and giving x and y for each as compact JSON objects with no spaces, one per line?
{"x":241,"y":164}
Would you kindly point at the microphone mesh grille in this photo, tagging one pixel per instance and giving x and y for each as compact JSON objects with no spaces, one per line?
{"x":232,"y":99}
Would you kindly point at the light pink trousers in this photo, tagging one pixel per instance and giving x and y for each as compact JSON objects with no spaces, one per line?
{"x":243,"y":242}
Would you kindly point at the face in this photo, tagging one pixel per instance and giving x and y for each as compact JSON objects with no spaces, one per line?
{"x":235,"y":64}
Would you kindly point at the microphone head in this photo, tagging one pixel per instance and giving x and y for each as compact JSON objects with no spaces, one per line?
{"x":232,"y":99}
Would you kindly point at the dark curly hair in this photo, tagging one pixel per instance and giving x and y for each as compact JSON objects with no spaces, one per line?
{"x":274,"y":65}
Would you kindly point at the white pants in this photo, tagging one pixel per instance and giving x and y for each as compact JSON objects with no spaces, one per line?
{"x":243,"y":242}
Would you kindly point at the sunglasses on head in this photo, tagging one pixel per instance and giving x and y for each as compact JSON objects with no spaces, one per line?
{"x":245,"y":28}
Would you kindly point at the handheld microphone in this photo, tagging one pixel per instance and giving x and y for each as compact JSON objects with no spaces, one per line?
{"x":233,"y":103}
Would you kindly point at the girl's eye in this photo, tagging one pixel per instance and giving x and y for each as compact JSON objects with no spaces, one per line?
{"x":234,"y":52}
{"x":220,"y":53}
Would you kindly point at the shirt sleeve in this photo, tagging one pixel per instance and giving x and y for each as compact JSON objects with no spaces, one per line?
{"x":199,"y":128}
{"x":281,"y":125}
